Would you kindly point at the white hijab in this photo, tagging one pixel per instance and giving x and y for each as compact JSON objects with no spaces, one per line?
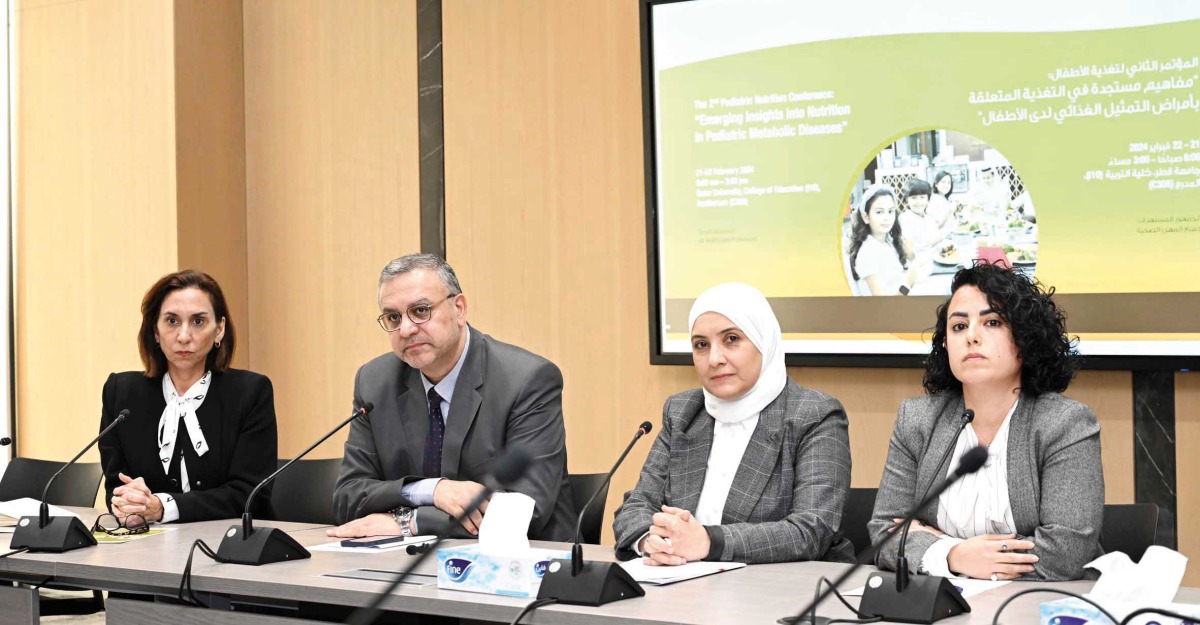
{"x":748,"y":309}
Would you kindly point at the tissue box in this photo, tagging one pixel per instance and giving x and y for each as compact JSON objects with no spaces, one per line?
{"x":1071,"y":611}
{"x":516,"y":574}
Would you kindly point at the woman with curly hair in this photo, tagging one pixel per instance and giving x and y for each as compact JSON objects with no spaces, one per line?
{"x":1001,"y":352}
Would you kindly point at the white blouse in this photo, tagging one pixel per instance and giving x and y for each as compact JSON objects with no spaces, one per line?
{"x":728,"y":446}
{"x":724,"y":457}
{"x":975,"y":505}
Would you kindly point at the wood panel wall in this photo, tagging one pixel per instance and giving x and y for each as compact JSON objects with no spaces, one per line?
{"x":95,"y":200}
{"x":332,"y":195}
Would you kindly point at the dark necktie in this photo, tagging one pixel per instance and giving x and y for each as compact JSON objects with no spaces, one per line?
{"x":433,"y":442}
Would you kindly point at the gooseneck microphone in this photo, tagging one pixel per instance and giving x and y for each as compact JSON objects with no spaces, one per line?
{"x":509,"y":467}
{"x":271,"y":544}
{"x":591,"y":583}
{"x":943,"y":599}
{"x":902,"y":574}
{"x":58,"y":534}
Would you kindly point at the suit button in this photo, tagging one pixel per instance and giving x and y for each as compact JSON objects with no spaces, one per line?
{"x":197,"y":482}
{"x":174,"y":482}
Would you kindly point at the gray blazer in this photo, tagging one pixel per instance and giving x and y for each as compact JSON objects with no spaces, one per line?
{"x":504,"y":396}
{"x":787,"y":497}
{"x":1055,"y":479}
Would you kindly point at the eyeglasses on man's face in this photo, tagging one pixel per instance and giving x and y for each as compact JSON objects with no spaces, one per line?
{"x":111,"y":525}
{"x":417,"y":313}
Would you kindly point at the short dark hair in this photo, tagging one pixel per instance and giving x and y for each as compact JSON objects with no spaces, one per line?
{"x":916,"y":186}
{"x":154,"y":361}
{"x":1039,"y":328}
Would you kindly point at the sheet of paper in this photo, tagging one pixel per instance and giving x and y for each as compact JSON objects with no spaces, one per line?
{"x":27,"y":506}
{"x":966,"y":586}
{"x":336,"y":546}
{"x":662,"y":575}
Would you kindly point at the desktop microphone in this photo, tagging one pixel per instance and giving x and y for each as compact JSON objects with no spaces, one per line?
{"x":508,"y":468}
{"x":245,"y":545}
{"x":930,"y":598}
{"x":591,"y":583}
{"x":902,"y":575}
{"x":60,"y":533}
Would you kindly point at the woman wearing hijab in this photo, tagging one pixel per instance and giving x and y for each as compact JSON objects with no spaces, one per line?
{"x":751,"y":467}
{"x":1034,"y":511}
{"x":199,"y":436}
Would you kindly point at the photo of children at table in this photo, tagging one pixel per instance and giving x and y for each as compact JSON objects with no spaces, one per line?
{"x":929,"y":204}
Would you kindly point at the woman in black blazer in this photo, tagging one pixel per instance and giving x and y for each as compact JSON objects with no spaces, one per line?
{"x":199,"y":435}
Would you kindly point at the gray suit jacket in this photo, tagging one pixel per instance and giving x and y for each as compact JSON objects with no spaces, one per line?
{"x":504,"y":396}
{"x":1055,"y":479}
{"x":787,"y":496}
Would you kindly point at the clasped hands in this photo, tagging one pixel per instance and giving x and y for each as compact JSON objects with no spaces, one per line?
{"x":675,"y":537}
{"x":449,"y":496}
{"x":987,"y":556}
{"x":134,"y":497}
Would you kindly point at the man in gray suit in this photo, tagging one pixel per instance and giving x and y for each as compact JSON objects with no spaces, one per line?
{"x":447,"y":401}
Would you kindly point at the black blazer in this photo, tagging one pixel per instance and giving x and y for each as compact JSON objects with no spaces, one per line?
{"x":238,"y":421}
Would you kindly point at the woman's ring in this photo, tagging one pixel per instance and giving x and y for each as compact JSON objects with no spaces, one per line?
{"x":1003,"y":547}
{"x":995,"y":578}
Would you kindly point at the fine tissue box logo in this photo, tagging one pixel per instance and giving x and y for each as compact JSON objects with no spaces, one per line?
{"x":458,"y":569}
{"x":539,"y":568}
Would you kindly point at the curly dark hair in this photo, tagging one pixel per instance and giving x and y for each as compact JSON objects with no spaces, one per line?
{"x":1039,"y":329}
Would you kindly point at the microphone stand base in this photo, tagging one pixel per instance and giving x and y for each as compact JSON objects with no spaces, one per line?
{"x":926,"y":599}
{"x":597,"y":584}
{"x":264,"y":545}
{"x":62,"y":533}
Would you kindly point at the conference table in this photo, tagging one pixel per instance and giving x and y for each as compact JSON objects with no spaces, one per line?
{"x":304,"y":591}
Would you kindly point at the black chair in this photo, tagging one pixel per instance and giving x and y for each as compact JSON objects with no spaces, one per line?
{"x":1129,"y":527}
{"x":860,"y":505}
{"x":582,"y":487}
{"x":304,"y":493}
{"x":77,"y":486}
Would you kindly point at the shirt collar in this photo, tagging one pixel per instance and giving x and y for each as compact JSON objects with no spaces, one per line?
{"x":445,"y":388}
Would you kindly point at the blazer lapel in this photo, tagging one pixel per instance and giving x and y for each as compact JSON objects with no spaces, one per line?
{"x":758,"y":463}
{"x":945,"y":436}
{"x":693,"y":458}
{"x":1022,"y":477}
{"x":414,"y":416}
{"x":464,"y":406}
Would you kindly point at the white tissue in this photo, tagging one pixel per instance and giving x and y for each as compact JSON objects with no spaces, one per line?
{"x":505,"y":525}
{"x":1153,"y":581}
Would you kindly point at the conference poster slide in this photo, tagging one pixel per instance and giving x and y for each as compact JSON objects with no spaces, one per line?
{"x":828,"y":168}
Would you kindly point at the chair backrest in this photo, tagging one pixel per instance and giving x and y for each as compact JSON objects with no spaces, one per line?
{"x":860,"y":505}
{"x":582,"y":487}
{"x":77,"y":486}
{"x":304,"y":493}
{"x":1129,"y":527}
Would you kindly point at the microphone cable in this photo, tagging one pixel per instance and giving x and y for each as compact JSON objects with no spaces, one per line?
{"x":996,"y":616}
{"x":14,"y":552}
{"x":185,"y":581}
{"x":530,"y":607}
{"x":804,"y":619}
